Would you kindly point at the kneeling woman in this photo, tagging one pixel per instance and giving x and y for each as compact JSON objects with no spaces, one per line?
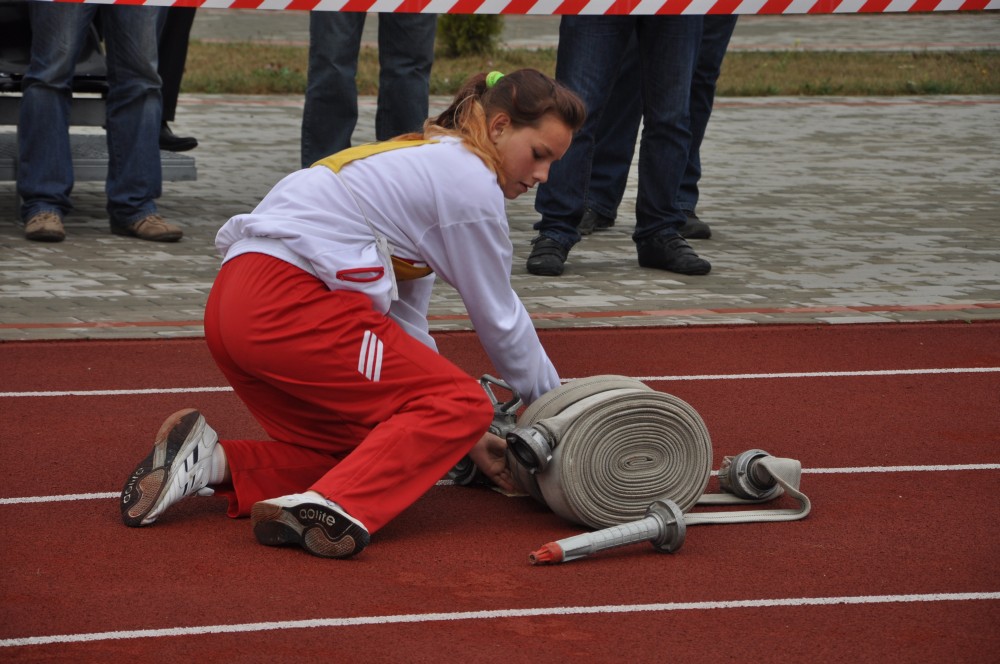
{"x":318,"y":319}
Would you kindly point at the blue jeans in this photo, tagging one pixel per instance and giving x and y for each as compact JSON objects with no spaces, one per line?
{"x":45,"y":165}
{"x":591,"y":52}
{"x":620,"y":124}
{"x":714,"y":43}
{"x":617,"y":133}
{"x":615,"y":140}
{"x":406,"y":53}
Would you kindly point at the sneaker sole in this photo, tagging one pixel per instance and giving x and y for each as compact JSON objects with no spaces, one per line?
{"x":145,"y":485}
{"x":306,"y":525}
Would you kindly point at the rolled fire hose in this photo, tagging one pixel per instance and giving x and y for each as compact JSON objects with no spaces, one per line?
{"x":610,"y":452}
{"x":616,"y":444}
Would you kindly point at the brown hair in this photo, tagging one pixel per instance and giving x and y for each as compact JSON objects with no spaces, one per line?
{"x":526,"y":96}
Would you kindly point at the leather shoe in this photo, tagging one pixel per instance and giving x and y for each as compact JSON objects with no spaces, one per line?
{"x":547,"y":257}
{"x":173,"y":143}
{"x":45,"y":227}
{"x":673,"y":254}
{"x":593,"y":221}
{"x":694,"y":228}
{"x":151,"y":227}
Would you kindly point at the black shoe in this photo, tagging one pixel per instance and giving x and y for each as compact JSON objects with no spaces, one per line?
{"x":593,"y":221}
{"x":673,"y":254}
{"x":547,"y":257}
{"x":694,"y":228}
{"x":172,"y":143}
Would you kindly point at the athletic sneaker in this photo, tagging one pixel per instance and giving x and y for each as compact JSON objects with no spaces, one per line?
{"x":318,"y":525}
{"x":179,"y":466}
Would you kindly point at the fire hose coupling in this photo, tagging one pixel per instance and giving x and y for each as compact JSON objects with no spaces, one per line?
{"x":744,"y":476}
{"x":504,"y":412}
{"x":663,"y":526}
{"x":531,"y":447}
{"x":465,"y":472}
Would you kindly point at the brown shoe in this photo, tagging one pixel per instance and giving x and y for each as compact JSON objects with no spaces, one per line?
{"x":152,"y":227}
{"x":45,"y":227}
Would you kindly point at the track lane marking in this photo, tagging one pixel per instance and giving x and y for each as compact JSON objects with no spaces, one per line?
{"x":494,"y":614}
{"x":855,"y":470}
{"x":116,"y":393}
{"x":824,"y":374}
{"x":661,"y":379}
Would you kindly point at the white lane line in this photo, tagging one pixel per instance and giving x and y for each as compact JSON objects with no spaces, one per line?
{"x":902,"y":469}
{"x":495,"y":614}
{"x":857,"y":470}
{"x":825,"y":374}
{"x":65,"y":498}
{"x":749,"y":376}
{"x":115,"y":393}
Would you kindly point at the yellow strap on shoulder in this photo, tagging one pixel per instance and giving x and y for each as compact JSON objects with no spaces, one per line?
{"x":340,"y":159}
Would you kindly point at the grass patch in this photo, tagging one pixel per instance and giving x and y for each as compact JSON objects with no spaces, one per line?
{"x":245,"y":68}
{"x":793,"y":73}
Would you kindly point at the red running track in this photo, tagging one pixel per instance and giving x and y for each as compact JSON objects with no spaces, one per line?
{"x":897,"y":428}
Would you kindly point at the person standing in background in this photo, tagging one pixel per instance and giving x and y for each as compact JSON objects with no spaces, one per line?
{"x":175,"y":33}
{"x":133,"y":115}
{"x":406,"y":53}
{"x":591,"y":52}
{"x":616,"y":137}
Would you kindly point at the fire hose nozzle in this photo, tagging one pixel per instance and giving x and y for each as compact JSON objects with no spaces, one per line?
{"x":549,"y":553}
{"x":663,"y":526}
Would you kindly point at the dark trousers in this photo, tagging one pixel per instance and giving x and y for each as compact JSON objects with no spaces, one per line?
{"x":175,"y":30}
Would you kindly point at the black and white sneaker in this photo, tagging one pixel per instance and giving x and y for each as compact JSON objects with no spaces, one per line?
{"x":177,"y":467}
{"x":318,"y":525}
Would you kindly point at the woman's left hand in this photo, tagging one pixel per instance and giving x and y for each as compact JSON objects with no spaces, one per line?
{"x":490,"y":456}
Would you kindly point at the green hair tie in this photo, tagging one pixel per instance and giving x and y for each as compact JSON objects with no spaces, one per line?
{"x":492,"y":78}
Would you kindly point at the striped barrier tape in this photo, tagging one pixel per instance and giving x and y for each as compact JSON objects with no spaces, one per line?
{"x":573,"y":7}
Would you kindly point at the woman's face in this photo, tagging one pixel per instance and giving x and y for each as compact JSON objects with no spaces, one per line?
{"x":527,"y":153}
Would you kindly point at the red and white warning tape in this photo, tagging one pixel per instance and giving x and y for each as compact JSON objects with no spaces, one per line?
{"x":550,"y":7}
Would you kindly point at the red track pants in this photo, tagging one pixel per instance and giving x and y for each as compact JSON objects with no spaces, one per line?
{"x":305,"y":361}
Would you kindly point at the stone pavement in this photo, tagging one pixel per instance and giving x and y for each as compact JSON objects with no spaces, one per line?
{"x":825,"y":210}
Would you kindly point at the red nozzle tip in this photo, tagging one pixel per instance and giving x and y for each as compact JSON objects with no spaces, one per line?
{"x":550,"y":553}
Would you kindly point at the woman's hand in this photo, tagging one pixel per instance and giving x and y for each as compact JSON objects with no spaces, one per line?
{"x":490,"y":456}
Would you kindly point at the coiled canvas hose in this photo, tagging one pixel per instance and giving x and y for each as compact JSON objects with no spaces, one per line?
{"x":616,"y":445}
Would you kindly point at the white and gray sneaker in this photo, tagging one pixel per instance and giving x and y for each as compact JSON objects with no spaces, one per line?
{"x":318,"y":525}
{"x":179,"y":466}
